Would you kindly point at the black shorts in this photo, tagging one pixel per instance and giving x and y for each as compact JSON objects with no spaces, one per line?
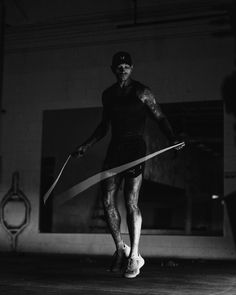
{"x":122,"y":152}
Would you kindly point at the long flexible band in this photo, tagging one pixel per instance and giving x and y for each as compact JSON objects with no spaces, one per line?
{"x":85,"y":184}
{"x":48,"y":193}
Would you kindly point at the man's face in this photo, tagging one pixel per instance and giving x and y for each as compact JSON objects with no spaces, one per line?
{"x":123,"y":72}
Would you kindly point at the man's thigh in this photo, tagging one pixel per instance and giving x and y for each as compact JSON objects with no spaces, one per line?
{"x":112,"y":183}
{"x":132,"y":187}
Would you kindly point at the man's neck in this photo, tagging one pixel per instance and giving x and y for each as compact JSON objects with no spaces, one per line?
{"x":124,"y":83}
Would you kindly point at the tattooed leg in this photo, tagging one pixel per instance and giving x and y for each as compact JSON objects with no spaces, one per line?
{"x":134,"y":218}
{"x":111,"y":212}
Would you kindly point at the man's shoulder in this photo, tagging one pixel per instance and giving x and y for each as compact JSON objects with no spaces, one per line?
{"x":140,"y":87}
{"x":109,"y":89}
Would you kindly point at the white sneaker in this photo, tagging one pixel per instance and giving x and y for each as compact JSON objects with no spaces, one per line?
{"x":133,"y":267}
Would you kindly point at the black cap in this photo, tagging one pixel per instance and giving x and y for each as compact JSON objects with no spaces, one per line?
{"x":121,"y":57}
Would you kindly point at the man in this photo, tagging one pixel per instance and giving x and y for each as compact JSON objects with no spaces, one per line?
{"x":126,"y":105}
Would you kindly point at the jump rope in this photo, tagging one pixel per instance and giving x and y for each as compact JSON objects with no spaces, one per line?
{"x":85,"y":184}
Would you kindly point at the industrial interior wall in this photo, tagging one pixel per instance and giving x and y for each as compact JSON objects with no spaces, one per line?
{"x":38,"y":77}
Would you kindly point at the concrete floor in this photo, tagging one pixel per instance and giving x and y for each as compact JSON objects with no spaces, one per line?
{"x":66,"y":274}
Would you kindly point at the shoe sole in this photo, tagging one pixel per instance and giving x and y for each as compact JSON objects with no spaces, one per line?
{"x":134,"y":276}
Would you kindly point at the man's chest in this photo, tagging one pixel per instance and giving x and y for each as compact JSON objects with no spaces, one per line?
{"x":125,"y":101}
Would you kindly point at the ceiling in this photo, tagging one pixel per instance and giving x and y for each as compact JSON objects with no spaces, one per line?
{"x":32,"y":12}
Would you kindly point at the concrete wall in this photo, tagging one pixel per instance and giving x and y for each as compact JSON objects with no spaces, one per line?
{"x":180,"y":63}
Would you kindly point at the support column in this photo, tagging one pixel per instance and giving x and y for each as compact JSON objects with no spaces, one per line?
{"x":2,"y":18}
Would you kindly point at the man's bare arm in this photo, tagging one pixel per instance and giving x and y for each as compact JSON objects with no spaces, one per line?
{"x":99,"y":132}
{"x":148,"y":98}
{"x":97,"y":135}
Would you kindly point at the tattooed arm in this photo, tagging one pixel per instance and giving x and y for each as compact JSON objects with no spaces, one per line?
{"x":99,"y":132}
{"x":148,"y":98}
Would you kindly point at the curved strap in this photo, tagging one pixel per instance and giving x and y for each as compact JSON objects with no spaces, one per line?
{"x":46,"y":196}
{"x":85,"y":184}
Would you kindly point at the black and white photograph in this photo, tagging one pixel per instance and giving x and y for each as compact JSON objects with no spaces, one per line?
{"x":118,"y":147}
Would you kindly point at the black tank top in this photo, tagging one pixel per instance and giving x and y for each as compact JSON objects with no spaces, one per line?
{"x":126,"y":112}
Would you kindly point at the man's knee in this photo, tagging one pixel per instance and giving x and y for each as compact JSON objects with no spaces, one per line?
{"x":132,"y":208}
{"x":108,"y":201}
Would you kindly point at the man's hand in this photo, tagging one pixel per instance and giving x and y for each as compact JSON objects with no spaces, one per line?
{"x":80,"y":151}
{"x":180,"y":146}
